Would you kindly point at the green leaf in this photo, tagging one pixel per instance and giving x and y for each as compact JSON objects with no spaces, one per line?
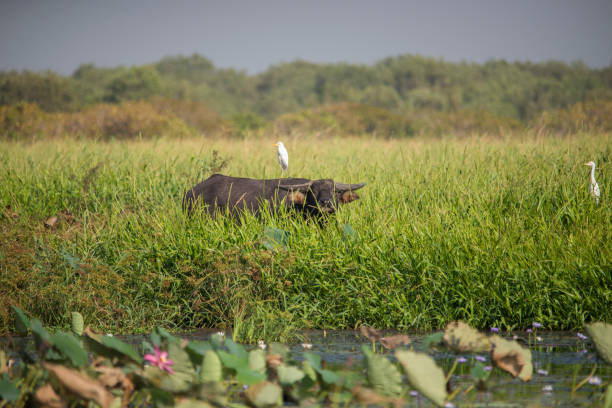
{"x":601,"y":334}
{"x":181,"y":359}
{"x":70,"y":347}
{"x":315,"y":362}
{"x":278,"y":349}
{"x":313,"y":359}
{"x":212,"y":369}
{"x":8,"y":391}
{"x":197,"y":349}
{"x":22,"y":323}
{"x":216,"y":340}
{"x":348,"y":232}
{"x":192,"y":403}
{"x":232,"y":361}
{"x":236,"y":349}
{"x":288,"y":375}
{"x":77,"y":324}
{"x":424,"y":375}
{"x":161,"y":398}
{"x":173,"y":383}
{"x":463,"y":338}
{"x":275,"y":237}
{"x":479,"y":373}
{"x":257,"y":361}
{"x":383,"y":376}
{"x":265,"y":394}
{"x":309,"y":371}
{"x":329,"y":376}
{"x":41,"y":335}
{"x":249,"y":377}
{"x":432,"y":339}
{"x":608,"y":399}
{"x":165,"y":335}
{"x":121,"y":347}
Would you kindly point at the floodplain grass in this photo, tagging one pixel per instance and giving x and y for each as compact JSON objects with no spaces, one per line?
{"x":496,"y":232}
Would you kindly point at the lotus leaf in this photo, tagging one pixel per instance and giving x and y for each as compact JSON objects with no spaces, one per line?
{"x":249,"y":377}
{"x":424,"y":375}
{"x":383,"y":376}
{"x":212,"y":369}
{"x":601,"y":333}
{"x":463,"y":338}
{"x":288,"y":375}
{"x":265,"y":394}
{"x":257,"y":361}
{"x":511,"y":357}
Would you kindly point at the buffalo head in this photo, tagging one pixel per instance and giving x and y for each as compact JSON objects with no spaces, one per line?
{"x":320,"y":196}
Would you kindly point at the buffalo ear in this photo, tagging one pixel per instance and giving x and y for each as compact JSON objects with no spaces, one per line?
{"x":348,"y":196}
{"x":296,"y":197}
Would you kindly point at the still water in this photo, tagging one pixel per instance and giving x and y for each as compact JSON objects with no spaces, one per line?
{"x":561,"y":360}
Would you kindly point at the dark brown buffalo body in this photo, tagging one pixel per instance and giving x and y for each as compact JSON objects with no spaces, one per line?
{"x":221,"y":193}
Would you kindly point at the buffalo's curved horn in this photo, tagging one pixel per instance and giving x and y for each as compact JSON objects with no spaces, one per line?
{"x":348,"y":187}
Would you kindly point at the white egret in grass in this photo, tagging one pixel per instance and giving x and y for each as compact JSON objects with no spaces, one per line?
{"x":283,"y":156}
{"x":594,"y":187}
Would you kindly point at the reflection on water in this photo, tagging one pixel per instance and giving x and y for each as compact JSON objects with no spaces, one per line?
{"x":560,"y":360}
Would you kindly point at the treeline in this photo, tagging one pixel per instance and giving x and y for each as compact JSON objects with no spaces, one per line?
{"x":400,"y":85}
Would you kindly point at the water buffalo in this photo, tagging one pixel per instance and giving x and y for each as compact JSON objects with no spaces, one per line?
{"x":310,"y":197}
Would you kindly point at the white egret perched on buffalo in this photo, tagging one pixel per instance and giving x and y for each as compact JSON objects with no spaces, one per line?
{"x":283,"y":156}
{"x":594,"y":187}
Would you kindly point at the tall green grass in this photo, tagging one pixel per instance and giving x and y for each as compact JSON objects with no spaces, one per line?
{"x":494,"y":232}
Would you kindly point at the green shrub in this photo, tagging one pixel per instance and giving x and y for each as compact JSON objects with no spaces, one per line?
{"x":22,"y":121}
{"x":581,"y":117}
{"x":345,"y":119}
{"x":460,"y":123}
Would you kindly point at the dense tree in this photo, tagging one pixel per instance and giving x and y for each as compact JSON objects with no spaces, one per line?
{"x":402,"y":84}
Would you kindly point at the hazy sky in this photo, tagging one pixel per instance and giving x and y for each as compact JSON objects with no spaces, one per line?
{"x":252,"y":35}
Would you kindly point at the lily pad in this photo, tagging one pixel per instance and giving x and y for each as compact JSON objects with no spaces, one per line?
{"x":424,"y":375}
{"x":511,"y":357}
{"x":601,"y":334}
{"x":212,"y":369}
{"x":327,"y":376}
{"x":265,"y":394}
{"x":249,"y":377}
{"x":257,"y":361}
{"x":288,"y":375}
{"x":383,"y":376}
{"x":462,"y":338}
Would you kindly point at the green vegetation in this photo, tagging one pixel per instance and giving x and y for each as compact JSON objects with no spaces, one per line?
{"x":59,"y":371}
{"x":403,"y":84}
{"x":495,"y":231}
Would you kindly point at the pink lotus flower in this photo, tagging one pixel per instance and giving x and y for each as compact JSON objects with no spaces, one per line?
{"x":160,"y":359}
